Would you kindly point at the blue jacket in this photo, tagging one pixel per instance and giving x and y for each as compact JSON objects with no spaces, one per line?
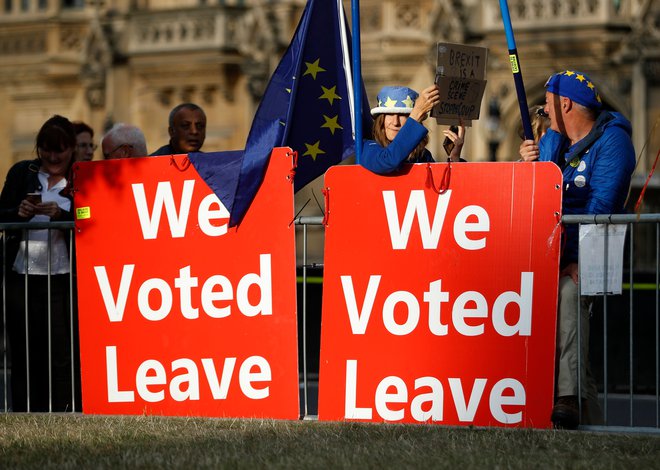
{"x":384,"y":160}
{"x":596,"y":172}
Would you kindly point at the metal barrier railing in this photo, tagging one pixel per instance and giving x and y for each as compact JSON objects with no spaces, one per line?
{"x":635,"y":392}
{"x":643,"y":418}
{"x":609,"y":399}
{"x":24,"y":374}
{"x":304,"y":222}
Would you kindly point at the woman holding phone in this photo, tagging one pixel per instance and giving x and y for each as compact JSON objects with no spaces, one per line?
{"x":38,"y":191}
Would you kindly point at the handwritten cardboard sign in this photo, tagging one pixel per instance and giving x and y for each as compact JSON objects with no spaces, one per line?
{"x":460,"y":99}
{"x":461,"y":77}
{"x":461,"y":61}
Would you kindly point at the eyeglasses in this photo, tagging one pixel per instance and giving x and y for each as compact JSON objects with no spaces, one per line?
{"x":541,"y":112}
{"x":85,"y":145}
{"x":109,"y":155}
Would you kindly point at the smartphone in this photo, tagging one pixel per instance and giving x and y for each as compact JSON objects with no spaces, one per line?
{"x":34,"y":198}
{"x":448,"y":144}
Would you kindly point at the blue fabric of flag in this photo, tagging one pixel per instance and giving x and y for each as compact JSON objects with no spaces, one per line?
{"x":306,"y":106}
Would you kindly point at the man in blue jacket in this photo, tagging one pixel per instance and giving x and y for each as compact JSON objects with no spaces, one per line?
{"x":594,"y":150}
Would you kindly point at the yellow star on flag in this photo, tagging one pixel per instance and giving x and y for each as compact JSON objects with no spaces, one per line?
{"x":408,"y":102}
{"x":569,"y":73}
{"x":390,"y":103}
{"x":313,"y":68}
{"x":580,"y":77}
{"x":329,"y":94}
{"x":313,"y":150}
{"x":590,"y":85}
{"x":331,"y":123}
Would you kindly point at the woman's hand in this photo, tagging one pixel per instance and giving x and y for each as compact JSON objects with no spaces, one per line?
{"x":428,"y":98}
{"x":50,"y":208}
{"x":458,"y":140}
{"x":26,"y":209}
{"x":529,"y":151}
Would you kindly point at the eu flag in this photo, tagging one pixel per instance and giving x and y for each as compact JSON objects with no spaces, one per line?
{"x":306,"y":106}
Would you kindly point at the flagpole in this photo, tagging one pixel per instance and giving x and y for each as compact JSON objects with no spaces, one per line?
{"x":348,"y":68}
{"x":357,"y":81}
{"x":515,"y":69}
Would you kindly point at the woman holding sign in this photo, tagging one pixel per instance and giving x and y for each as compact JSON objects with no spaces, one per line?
{"x":38,"y":191}
{"x":400,"y":137}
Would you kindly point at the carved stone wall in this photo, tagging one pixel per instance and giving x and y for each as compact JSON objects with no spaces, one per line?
{"x":107,"y":61}
{"x":132,"y":61}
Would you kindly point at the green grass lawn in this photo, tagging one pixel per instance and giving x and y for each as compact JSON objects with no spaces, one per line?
{"x":72,"y":441}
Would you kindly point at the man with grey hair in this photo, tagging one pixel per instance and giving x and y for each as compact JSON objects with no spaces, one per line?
{"x":123,"y":141}
{"x":187,"y":130}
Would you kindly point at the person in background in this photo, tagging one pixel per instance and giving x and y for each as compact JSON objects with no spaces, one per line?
{"x":399,"y":135}
{"x":187,"y":129}
{"x":123,"y":141}
{"x":539,"y":120}
{"x":594,"y":150}
{"x":85,"y":146}
{"x":38,"y":267}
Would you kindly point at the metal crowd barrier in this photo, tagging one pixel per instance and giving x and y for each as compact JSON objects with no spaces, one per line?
{"x":632,"y":401}
{"x":7,"y":230}
{"x":627,"y":367}
{"x":630,"y":404}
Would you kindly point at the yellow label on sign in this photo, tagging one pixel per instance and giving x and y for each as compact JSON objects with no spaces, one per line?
{"x":83,"y":213}
{"x":514,"y":63}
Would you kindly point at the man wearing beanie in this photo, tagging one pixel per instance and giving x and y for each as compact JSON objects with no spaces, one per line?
{"x":594,"y":150}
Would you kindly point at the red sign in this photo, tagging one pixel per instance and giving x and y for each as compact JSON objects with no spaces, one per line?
{"x":180,"y":315}
{"x":441,"y":308}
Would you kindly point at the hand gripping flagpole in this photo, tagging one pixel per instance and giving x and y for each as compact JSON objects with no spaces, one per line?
{"x":357,"y":79}
{"x":517,"y":73}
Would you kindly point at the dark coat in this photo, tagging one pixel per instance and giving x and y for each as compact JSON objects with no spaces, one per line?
{"x":22,"y":179}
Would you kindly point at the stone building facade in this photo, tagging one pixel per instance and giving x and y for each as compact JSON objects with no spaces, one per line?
{"x":106,"y":61}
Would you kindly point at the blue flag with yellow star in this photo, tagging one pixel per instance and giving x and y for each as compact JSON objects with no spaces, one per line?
{"x":306,"y":106}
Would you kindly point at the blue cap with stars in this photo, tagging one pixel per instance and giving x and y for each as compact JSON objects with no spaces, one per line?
{"x":575,"y":85}
{"x":395,"y":100}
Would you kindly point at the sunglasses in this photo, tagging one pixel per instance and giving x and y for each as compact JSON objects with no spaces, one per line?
{"x":542,"y":113}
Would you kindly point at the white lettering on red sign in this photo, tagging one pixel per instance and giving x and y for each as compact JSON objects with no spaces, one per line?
{"x":214,"y":295}
{"x":434,"y":297}
{"x":211,"y":208}
{"x":391,"y":398}
{"x":151,"y":379}
{"x":416,"y":208}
